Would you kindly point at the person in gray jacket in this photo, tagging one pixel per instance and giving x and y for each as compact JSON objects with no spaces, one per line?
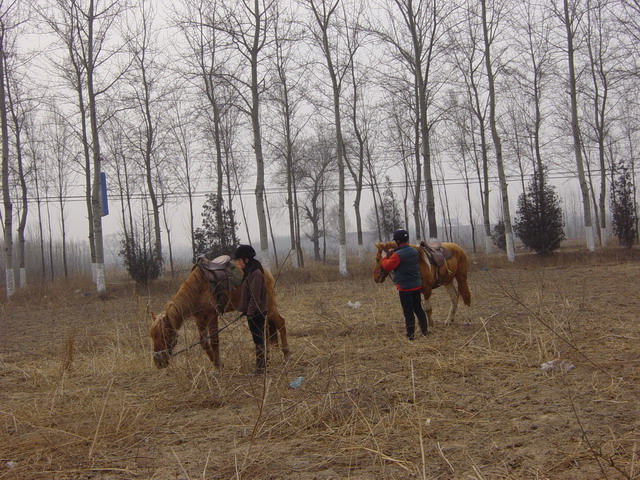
{"x":253,"y":301}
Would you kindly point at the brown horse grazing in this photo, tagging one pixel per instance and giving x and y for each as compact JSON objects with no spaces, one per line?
{"x":195,"y":298}
{"x":433,"y":277}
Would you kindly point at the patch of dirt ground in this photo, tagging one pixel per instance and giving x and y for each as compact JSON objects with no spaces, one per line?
{"x":80,"y":398}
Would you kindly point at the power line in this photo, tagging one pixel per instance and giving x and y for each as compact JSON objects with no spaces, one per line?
{"x":281,"y":190}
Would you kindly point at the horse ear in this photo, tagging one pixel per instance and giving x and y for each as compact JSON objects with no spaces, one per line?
{"x":379,"y":245}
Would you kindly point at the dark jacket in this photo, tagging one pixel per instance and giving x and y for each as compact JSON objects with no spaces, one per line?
{"x":253,"y":296}
{"x":405,"y":265}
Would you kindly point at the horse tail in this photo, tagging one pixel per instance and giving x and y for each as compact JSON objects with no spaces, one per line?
{"x":272,"y":331}
{"x":461,"y":277}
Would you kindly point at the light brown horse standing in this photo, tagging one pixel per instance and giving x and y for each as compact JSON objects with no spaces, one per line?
{"x":195,"y":299}
{"x":433,"y":277}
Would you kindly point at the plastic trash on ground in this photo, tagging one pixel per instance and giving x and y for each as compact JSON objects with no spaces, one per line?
{"x":563,"y":366}
{"x":297,"y":383}
{"x":353,"y":304}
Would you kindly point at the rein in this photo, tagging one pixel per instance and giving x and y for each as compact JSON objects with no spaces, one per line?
{"x":215,"y":332}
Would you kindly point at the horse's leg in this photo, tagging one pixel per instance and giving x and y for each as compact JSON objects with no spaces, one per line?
{"x":428,"y":308}
{"x":210,"y":341}
{"x":278,"y":322}
{"x":453,"y":295}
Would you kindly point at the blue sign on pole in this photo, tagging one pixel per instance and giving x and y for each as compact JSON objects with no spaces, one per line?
{"x":103,"y":194}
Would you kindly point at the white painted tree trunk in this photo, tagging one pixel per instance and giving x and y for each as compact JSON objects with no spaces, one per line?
{"x":488,"y":245}
{"x":343,"y":260}
{"x":361,"y":252}
{"x":591,"y":242}
{"x":93,"y":272}
{"x":11,"y":283}
{"x":604,"y":232}
{"x":101,"y":283}
{"x":264,"y":258}
{"x":293,"y":254}
{"x":511,"y":251}
{"x":23,"y":277}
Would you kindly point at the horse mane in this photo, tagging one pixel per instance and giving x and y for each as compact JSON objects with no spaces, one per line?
{"x":392,"y":245}
{"x":186,"y":299}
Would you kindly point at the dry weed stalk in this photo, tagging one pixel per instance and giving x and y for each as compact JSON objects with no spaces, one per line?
{"x":513,"y":295}
{"x":68,"y":358}
{"x":104,"y":406}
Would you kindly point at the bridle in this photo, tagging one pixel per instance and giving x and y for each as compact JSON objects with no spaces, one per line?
{"x":169,"y":351}
{"x":381,"y":273}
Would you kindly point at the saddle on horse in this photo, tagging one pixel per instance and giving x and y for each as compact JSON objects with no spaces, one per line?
{"x":437,"y":255}
{"x":222,"y":275}
{"x":216,"y":270}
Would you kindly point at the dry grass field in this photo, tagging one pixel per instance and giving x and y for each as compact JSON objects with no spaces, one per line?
{"x":80,"y":398}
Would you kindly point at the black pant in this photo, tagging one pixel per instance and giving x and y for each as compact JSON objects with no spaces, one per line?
{"x":412,"y":304}
{"x":256,"y":326}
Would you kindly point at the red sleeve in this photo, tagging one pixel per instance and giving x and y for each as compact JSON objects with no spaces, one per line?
{"x":391,"y":263}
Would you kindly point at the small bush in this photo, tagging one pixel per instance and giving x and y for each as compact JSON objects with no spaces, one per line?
{"x":140,"y":259}
{"x":538,"y":220}
{"x":212,"y":238}
{"x":498,"y":236}
{"x":623,"y":209}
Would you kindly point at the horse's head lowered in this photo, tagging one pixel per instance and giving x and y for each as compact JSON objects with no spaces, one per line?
{"x":164,"y":337}
{"x":379,"y":273}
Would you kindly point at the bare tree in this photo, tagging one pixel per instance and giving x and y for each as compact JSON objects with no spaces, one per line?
{"x":20,"y":109}
{"x":629,"y":19}
{"x":126,"y":182}
{"x":36,"y":159}
{"x":403,"y":142}
{"x":469,"y":59}
{"x":64,"y":21}
{"x":8,"y":23}
{"x":489,"y":29}
{"x":248,"y":27}
{"x":402,"y":111}
{"x":185,"y":171}
{"x":326,"y":36}
{"x":417,"y":29}
{"x":317,"y":168}
{"x":207,"y":65}
{"x":460,"y":121}
{"x":147,"y":99}
{"x":60,"y":151}
{"x":570,"y":17}
{"x":288,"y":95}
{"x":85,"y":27}
{"x":603,"y":63}
{"x":361,"y":116}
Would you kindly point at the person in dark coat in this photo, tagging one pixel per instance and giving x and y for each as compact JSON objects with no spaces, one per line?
{"x":404,"y":266}
{"x":253,"y":300}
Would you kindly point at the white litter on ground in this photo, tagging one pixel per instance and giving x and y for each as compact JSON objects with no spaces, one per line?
{"x":557,"y":365}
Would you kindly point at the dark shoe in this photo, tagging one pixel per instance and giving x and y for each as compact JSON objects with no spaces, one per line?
{"x":425,"y":333}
